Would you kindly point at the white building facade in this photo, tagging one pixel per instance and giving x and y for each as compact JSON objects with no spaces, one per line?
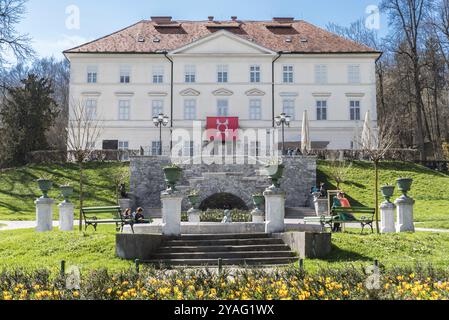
{"x":253,"y":71}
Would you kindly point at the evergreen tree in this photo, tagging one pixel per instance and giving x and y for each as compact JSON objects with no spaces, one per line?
{"x":26,"y":114}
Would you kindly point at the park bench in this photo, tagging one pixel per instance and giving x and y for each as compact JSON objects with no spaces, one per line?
{"x":363,"y":215}
{"x":117,"y":218}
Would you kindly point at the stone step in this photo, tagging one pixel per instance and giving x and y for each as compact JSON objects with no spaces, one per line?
{"x":225,"y":262}
{"x":223,"y":242}
{"x":222,"y":255}
{"x":260,"y":248}
{"x":230,"y":236}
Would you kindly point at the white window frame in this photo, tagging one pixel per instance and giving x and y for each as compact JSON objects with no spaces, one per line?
{"x":255,"y":74}
{"x":289,"y":108}
{"x":222,"y":73}
{"x":190,"y":73}
{"x":158,"y":74}
{"x":320,"y":106}
{"x":123,"y":146}
{"x":190,"y":109}
{"x":321,"y":74}
{"x":124,"y":105}
{"x":288,"y":73}
{"x":355,"y":110}
{"x":222,"y":105}
{"x":91,"y":108}
{"x":354,"y":75}
{"x":125,"y":74}
{"x":255,"y":109}
{"x":92,"y":74}
{"x":157,"y":107}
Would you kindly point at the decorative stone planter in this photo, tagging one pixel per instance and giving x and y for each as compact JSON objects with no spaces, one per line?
{"x":67,"y":192}
{"x":404,"y":185}
{"x":45,"y":186}
{"x":258,"y":214}
{"x":387,"y":192}
{"x":172,"y":176}
{"x":275,"y":172}
{"x":194,"y":214}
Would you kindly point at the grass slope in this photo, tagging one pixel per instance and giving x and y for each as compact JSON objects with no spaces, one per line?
{"x":430,"y":188}
{"x":19,"y":190}
{"x":30,"y":250}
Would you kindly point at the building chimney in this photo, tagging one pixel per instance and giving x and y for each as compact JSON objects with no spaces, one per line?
{"x":283,"y":19}
{"x":211,"y":18}
{"x":161,"y":20}
{"x":234,"y":18}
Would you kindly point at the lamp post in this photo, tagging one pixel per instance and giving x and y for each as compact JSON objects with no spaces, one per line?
{"x":161,"y":121}
{"x":283,"y":120}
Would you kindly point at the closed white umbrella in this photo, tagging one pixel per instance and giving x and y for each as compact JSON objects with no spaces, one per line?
{"x":367,"y":140}
{"x":306,"y":142}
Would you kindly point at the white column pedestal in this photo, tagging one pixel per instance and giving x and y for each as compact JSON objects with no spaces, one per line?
{"x":66,"y":216}
{"x":387,"y":224}
{"x":194,"y":215}
{"x":44,"y":214}
{"x":275,"y":211}
{"x":171,"y":213}
{"x":405,"y":221}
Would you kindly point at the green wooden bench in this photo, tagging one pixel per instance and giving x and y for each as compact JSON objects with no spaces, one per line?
{"x":363,"y":215}
{"x":90,"y":218}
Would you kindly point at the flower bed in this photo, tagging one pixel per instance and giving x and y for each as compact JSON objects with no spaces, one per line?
{"x":217,"y":216}
{"x":289,"y":284}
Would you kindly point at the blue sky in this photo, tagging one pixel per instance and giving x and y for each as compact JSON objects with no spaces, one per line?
{"x":46,"y":20}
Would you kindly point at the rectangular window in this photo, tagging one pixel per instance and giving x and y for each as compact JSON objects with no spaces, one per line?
{"x":321,"y":110}
{"x":354,"y":107}
{"x":158,"y":74}
{"x":188,"y":148}
{"x":222,"y":108}
{"x":157,"y":107}
{"x":124,"y":109}
{"x":92,"y":74}
{"x":321,"y":74}
{"x":125,"y":75}
{"x":354,"y":74}
{"x":190,"y":109}
{"x":190,"y":74}
{"x":91,"y":108}
{"x":155,"y":148}
{"x":255,"y":109}
{"x":123,"y":146}
{"x":289,"y":108}
{"x":288,"y":74}
{"x":222,"y":74}
{"x":254,"y":74}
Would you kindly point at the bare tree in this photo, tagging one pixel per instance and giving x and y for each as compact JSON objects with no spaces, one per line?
{"x":83,"y":134}
{"x":11,"y":42}
{"x":339,"y":171}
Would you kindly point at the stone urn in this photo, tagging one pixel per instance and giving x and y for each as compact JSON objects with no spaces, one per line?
{"x":404,"y":185}
{"x":45,"y":185}
{"x":172,"y":176}
{"x":194,"y":200}
{"x":194,"y":214}
{"x":275,"y":172}
{"x":67,"y":192}
{"x":387,"y":192}
{"x":258,"y":214}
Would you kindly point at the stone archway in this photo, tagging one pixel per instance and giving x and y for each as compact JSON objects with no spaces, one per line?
{"x":222,"y":201}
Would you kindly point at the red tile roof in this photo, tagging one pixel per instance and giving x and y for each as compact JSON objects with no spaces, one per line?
{"x":296,"y":36}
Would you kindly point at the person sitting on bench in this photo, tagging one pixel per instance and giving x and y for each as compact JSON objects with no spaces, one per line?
{"x":340,"y":201}
{"x":128,"y":214}
{"x":138,"y":216}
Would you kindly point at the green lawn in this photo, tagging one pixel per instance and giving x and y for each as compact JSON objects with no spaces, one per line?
{"x":30,"y":250}
{"x":430,"y":188}
{"x":18,"y":187}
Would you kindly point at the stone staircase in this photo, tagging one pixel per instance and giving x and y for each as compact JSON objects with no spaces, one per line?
{"x":233,"y":249}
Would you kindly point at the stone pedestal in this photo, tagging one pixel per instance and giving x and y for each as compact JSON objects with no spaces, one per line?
{"x":66,"y":216}
{"x":194,"y":215}
{"x":387,"y":217}
{"x":275,"y":211}
{"x":44,"y":214}
{"x":320,"y":204}
{"x":258,"y":216}
{"x":405,"y":221}
{"x":125,"y":204}
{"x":171,"y":213}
